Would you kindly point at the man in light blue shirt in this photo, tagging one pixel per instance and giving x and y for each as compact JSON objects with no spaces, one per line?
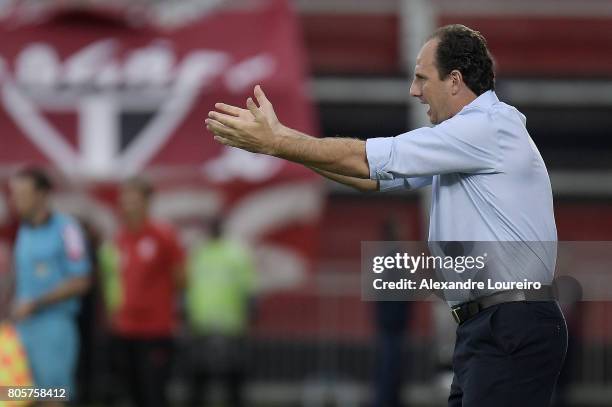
{"x":509,"y":199}
{"x":489,"y":185}
{"x":51,"y":269}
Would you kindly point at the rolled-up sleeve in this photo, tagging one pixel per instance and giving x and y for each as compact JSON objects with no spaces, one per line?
{"x":385,"y":185}
{"x":378,"y":151}
{"x":465,"y":143}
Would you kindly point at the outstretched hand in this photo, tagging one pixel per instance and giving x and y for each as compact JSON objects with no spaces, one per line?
{"x":255,"y":129}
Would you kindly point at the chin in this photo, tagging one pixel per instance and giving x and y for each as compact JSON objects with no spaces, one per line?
{"x":437,"y":119}
{"x":432,"y":119}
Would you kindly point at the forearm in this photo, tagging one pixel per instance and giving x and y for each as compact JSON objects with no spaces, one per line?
{"x":74,"y":287}
{"x":364,"y":185}
{"x":341,"y":156}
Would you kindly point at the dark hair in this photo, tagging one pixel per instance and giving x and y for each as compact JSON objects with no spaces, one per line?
{"x":39,"y":177}
{"x":140,"y":183}
{"x":465,"y":50}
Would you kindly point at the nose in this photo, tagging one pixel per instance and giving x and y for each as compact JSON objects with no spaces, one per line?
{"x":415,"y":91}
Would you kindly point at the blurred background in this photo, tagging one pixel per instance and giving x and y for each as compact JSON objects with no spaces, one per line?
{"x":98,"y":91}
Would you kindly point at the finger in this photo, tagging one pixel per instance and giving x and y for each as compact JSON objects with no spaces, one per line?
{"x":223,"y":140}
{"x":218,"y":128}
{"x":254,"y":109}
{"x":229,"y":121}
{"x":217,"y":125}
{"x":233,"y":110}
{"x":261,"y":96}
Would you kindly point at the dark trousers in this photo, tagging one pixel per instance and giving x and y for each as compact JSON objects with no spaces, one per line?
{"x":144,"y":369}
{"x":217,"y":358}
{"x":391,"y":318}
{"x":388,"y":379}
{"x":509,"y":355}
{"x":233,"y":380}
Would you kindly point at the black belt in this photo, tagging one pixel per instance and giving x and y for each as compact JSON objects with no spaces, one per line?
{"x":467,"y":310}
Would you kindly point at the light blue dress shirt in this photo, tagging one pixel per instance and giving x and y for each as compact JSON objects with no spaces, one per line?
{"x":489,"y":183}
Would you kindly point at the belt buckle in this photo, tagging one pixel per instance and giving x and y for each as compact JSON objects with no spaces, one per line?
{"x":455,"y":315}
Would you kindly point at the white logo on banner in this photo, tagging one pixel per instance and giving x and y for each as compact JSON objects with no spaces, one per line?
{"x":98,"y":87}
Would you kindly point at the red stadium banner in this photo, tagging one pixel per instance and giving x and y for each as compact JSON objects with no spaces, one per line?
{"x":98,"y":98}
{"x":94,"y":95}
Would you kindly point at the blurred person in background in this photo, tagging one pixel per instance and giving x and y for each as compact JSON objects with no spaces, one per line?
{"x":390,"y":318}
{"x":220,"y":283}
{"x":6,"y":283}
{"x":89,"y":319}
{"x":8,"y":234}
{"x":6,"y":275}
{"x":5,"y":294}
{"x":143,"y":274}
{"x":52,"y":272}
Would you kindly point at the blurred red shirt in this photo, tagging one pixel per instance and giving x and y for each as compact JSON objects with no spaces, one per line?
{"x":150,"y":257}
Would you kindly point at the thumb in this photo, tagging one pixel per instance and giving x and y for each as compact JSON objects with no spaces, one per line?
{"x":261,"y":96}
{"x":254,"y":109}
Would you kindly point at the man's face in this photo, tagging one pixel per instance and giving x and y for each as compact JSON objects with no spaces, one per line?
{"x":428,"y":87}
{"x":25,"y":197}
{"x":133,"y":202}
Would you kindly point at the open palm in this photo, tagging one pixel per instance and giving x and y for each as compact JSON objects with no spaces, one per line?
{"x":253,"y":129}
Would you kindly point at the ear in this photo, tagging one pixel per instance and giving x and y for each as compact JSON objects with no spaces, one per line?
{"x":456,"y":81}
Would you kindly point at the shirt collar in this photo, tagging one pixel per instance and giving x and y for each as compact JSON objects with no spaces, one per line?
{"x":485,"y":100}
{"x":44,"y":223}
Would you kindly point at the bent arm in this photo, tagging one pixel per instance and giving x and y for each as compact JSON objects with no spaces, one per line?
{"x":363,"y":185}
{"x":72,"y":287}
